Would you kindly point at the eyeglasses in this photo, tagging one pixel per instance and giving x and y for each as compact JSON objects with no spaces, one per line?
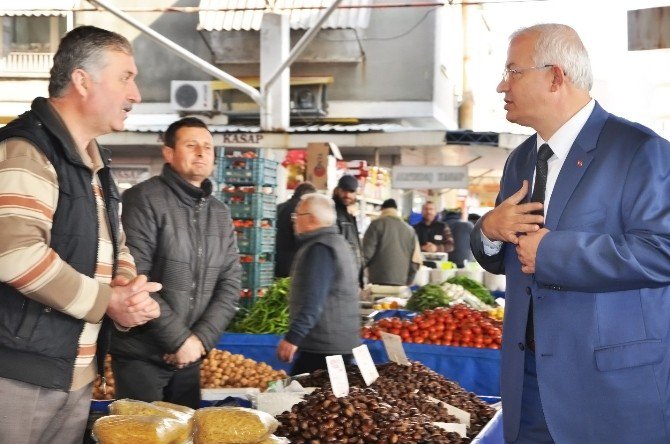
{"x":294,"y":216}
{"x":515,"y":73}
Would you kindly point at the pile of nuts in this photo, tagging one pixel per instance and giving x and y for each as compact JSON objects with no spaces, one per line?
{"x":361,"y":417}
{"x":104,"y":391}
{"x":409,"y":387}
{"x":223,"y":369}
{"x":219,"y":369}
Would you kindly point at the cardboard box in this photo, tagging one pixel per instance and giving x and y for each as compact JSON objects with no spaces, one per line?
{"x":321,"y":165}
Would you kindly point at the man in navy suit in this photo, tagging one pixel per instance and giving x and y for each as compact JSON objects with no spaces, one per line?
{"x":589,"y":268}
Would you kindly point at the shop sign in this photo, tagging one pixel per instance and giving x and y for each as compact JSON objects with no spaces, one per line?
{"x":242,"y":138}
{"x":429,"y":177}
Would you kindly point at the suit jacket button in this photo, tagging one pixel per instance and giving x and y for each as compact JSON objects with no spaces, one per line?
{"x":521,"y":346}
{"x":528,"y":291}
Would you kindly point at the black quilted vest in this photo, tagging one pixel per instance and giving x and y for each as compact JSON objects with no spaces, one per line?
{"x":38,"y":344}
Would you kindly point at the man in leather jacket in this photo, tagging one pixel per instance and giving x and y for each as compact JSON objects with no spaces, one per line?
{"x":182,"y":237}
{"x":344,"y":196}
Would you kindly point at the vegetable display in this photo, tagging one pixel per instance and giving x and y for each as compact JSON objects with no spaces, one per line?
{"x":427,"y":297}
{"x":473,"y":287}
{"x":458,"y":326}
{"x":269,"y":314}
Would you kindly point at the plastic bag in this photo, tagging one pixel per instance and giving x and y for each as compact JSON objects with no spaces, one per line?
{"x":232,"y":425}
{"x":117,"y":429}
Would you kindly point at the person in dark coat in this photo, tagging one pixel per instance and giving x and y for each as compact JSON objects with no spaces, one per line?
{"x":344,"y":196}
{"x":285,"y":241}
{"x":460,"y":230}
{"x":323,"y":303}
{"x":434,"y":236}
{"x":182,"y":237}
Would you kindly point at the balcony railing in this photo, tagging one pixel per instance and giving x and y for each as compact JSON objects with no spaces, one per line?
{"x":26,"y":64}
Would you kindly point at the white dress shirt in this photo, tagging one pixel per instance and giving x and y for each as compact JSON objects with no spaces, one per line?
{"x":560,"y":143}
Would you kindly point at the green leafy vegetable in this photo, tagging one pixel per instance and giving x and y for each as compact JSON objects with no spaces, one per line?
{"x":269,"y":314}
{"x":428,"y":297}
{"x":474,"y":287}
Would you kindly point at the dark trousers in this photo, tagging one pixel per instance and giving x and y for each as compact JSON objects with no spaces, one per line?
{"x":149,"y":382}
{"x":533,"y":427}
{"x":307,"y":362}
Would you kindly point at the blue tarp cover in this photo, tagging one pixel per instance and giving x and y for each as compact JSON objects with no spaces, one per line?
{"x":476,"y":370}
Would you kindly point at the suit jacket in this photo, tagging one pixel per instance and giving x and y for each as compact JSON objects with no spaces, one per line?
{"x":601,"y":289}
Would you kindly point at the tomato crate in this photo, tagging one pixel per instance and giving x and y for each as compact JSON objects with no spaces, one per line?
{"x":257,"y":274}
{"x":254,"y":240}
{"x":242,"y":170}
{"x":251,"y":205}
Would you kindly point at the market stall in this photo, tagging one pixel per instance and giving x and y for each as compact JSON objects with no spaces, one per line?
{"x":476,"y":370}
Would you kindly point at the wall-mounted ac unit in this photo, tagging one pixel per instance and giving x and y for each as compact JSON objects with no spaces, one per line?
{"x":308,"y":100}
{"x":191,"y":95}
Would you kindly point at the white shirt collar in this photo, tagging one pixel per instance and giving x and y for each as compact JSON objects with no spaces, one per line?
{"x":562,"y":140}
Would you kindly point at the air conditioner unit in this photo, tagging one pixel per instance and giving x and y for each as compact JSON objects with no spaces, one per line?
{"x":191,"y":95}
{"x":308,"y":100}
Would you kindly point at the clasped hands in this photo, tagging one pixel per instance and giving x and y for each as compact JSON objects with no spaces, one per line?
{"x":130,"y":303}
{"x":513,"y":222}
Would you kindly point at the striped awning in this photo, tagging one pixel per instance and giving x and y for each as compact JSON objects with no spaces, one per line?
{"x":246,"y":15}
{"x":39,"y":7}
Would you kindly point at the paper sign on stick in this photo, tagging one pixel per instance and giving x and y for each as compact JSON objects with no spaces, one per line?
{"x":394,"y":349}
{"x":365,"y":364}
{"x":338,"y":375}
{"x":461,"y":415}
{"x":453,"y":427}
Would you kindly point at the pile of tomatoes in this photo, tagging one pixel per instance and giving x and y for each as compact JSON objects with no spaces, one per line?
{"x":458,"y":326}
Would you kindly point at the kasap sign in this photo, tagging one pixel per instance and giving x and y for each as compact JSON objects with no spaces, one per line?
{"x":429,"y":177}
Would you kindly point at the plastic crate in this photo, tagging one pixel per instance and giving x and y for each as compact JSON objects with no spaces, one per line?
{"x":255,"y":240}
{"x":242,"y":170}
{"x":257,"y":274}
{"x":251,"y":205}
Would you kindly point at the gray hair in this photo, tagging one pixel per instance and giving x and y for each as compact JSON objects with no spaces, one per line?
{"x":560,"y":45}
{"x":83,"y":48}
{"x":321,"y":207}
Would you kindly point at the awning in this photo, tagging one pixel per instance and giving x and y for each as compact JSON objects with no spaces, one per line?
{"x":246,"y":15}
{"x":145,"y":130}
{"x":40,"y":8}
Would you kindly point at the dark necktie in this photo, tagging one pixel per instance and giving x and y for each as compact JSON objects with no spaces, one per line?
{"x":539,"y":188}
{"x":541,"y":170}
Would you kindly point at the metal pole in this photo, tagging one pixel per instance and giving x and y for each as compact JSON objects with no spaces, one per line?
{"x":183,"y":53}
{"x":301,"y":45}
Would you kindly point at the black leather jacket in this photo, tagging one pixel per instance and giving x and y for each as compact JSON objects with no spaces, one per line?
{"x":183,"y":238}
{"x":346,"y":223}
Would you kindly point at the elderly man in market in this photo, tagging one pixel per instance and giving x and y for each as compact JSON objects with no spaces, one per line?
{"x":323,"y":305}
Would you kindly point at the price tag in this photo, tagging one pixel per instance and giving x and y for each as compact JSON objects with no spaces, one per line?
{"x":461,"y":415}
{"x":394,"y":349}
{"x":452,"y":427}
{"x":338,"y":375}
{"x":365,"y":364}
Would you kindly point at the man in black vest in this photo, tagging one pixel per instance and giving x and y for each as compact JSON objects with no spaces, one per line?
{"x":63,"y":260}
{"x":323,"y":305}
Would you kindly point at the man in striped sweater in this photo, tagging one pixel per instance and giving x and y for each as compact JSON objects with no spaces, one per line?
{"x":64,"y":267}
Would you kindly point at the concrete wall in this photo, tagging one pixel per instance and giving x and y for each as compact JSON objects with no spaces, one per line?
{"x":392,"y":60}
